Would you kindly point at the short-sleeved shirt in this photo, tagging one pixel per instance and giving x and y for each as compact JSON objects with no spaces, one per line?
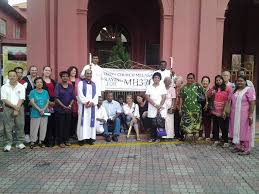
{"x":40,"y":99}
{"x":220,"y":99}
{"x":112,"y":108}
{"x":155,"y":94}
{"x":170,"y":95}
{"x":134,"y":109}
{"x":65,"y":95}
{"x":11,"y":94}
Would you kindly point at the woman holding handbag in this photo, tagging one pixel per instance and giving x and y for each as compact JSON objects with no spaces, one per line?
{"x":156,"y":96}
{"x":220,"y":120}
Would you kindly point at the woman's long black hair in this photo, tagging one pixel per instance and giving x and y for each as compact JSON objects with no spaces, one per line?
{"x":222,"y":86}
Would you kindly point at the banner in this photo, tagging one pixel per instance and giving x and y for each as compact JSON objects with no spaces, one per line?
{"x":14,"y":56}
{"x":127,"y":79}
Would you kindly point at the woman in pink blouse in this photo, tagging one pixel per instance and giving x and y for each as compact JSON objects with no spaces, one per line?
{"x":220,"y":121}
{"x":242,"y":118}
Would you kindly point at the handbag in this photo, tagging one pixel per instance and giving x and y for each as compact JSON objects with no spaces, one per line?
{"x":161,"y":132}
{"x":159,"y":121}
{"x":160,"y":125}
{"x":227,"y":108}
{"x":201,"y":96}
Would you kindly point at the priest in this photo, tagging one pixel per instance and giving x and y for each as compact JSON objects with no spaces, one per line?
{"x":87,"y":101}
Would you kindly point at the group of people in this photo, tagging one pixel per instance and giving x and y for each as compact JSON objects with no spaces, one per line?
{"x":44,"y":112}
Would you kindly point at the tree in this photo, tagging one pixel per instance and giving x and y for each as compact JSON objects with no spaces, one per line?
{"x":119,"y":57}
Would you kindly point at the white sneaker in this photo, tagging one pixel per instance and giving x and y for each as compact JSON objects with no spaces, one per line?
{"x":7,"y":148}
{"x":20,"y":146}
{"x":225,"y":145}
{"x":27,"y":139}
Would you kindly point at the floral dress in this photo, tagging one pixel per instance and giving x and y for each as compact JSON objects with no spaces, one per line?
{"x":191,"y":108}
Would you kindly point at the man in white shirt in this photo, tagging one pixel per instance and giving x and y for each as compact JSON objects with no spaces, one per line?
{"x":97,"y":75}
{"x":163,"y":71}
{"x":13,"y":96}
{"x":113,"y":110}
{"x":101,"y":116}
{"x":226,"y":77}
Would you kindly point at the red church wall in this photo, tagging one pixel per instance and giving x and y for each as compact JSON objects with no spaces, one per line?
{"x":189,"y":31}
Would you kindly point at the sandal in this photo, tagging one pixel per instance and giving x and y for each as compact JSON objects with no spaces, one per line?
{"x":235,"y":150}
{"x":67,"y":144}
{"x":245,"y":153}
{"x":41,"y":145}
{"x":32,"y":145}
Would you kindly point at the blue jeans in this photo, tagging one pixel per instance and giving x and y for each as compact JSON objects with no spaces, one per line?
{"x":116,"y":124}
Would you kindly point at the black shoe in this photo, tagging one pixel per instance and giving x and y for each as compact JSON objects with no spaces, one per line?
{"x":90,"y":142}
{"x":107,"y":138}
{"x":42,"y":145}
{"x":32,"y":145}
{"x":115,"y":138}
{"x":81,"y":143}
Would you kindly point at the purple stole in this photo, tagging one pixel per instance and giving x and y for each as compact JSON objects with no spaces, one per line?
{"x":92,"y":108}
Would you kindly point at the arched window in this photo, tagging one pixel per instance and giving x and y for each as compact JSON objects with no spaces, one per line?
{"x":113,"y":33}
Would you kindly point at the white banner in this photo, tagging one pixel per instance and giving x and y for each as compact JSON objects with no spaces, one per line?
{"x":127,"y":79}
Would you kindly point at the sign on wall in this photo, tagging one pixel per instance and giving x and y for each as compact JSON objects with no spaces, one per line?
{"x":127,"y":79}
{"x":14,"y":56}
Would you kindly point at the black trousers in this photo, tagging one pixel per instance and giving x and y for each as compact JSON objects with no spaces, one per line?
{"x":74,"y":119}
{"x":146,"y":123}
{"x":223,"y":124}
{"x":27,"y":123}
{"x":51,"y":130}
{"x":177,"y":130}
{"x":153,"y":127}
{"x":63,"y":127}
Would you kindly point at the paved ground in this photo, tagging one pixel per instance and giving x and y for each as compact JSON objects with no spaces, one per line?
{"x":130,"y":168}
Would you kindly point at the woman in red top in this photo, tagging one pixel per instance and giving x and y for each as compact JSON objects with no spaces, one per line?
{"x":49,"y":84}
{"x":220,"y":121}
{"x":74,"y":80}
